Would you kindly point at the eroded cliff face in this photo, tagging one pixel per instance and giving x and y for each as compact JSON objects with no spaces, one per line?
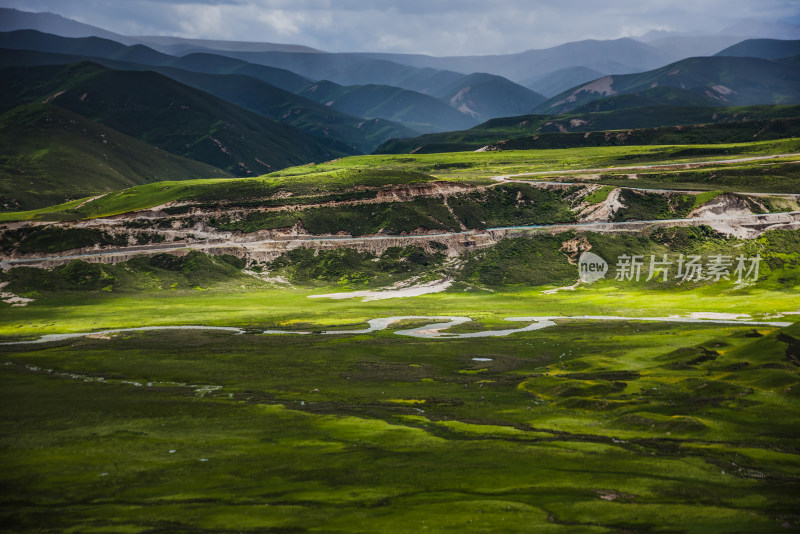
{"x":178,"y":227}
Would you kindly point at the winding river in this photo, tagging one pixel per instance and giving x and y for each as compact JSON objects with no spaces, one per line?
{"x":434,"y":330}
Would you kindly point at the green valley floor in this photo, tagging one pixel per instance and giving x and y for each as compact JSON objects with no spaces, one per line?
{"x":587,"y":425}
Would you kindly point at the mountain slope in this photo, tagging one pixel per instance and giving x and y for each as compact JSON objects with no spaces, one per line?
{"x":731,"y":81}
{"x":51,"y":155}
{"x":655,"y":96}
{"x":170,"y":115}
{"x":763,"y":48}
{"x":362,"y":135}
{"x":486,"y":96}
{"x":415,"y":110}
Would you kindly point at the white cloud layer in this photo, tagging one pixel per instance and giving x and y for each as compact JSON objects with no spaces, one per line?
{"x":438,"y":27}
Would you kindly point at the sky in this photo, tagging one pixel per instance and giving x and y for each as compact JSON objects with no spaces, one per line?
{"x":436,"y":27}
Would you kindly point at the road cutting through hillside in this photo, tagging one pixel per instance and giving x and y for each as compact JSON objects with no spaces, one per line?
{"x":782,"y":219}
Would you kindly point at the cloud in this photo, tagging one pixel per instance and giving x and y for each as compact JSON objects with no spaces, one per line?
{"x":438,"y":27}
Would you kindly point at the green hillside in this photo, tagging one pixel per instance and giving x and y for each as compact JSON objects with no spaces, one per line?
{"x":169,"y":115}
{"x":732,"y":124}
{"x":361,"y":177}
{"x":51,"y":155}
{"x":731,"y":81}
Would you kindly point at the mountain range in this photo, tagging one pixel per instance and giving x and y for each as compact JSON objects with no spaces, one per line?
{"x":195,"y":108}
{"x":249,"y":93}
{"x":409,"y":107}
{"x":169,"y":115}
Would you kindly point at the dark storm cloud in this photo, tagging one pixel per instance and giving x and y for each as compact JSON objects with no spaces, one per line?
{"x":441,"y":27}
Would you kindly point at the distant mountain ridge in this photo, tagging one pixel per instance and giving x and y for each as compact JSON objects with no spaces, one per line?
{"x":479,"y":87}
{"x":614,"y":56}
{"x":181,"y":45}
{"x":621,"y":56}
{"x":15,"y":19}
{"x":489,"y":96}
{"x":109,"y":49}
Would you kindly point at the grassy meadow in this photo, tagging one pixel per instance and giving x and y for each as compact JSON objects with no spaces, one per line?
{"x":586,"y":425}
